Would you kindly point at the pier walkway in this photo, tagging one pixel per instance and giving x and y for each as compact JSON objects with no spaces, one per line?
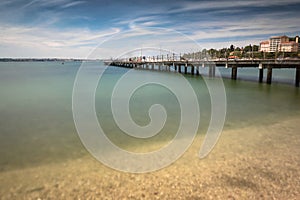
{"x":182,"y":66}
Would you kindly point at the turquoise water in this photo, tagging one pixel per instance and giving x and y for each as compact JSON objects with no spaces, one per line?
{"x":36,"y":123}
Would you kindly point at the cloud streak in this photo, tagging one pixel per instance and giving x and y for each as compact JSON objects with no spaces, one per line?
{"x":71,"y":4}
{"x":31,"y":38}
{"x":223,"y":5}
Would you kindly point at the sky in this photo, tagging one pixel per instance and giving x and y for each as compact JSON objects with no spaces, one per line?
{"x":106,"y":28}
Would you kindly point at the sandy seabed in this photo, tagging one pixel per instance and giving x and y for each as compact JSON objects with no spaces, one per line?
{"x":261,"y":162}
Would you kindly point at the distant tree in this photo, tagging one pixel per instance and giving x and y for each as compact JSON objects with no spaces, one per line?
{"x":292,"y":39}
{"x":242,"y":52}
{"x":231,"y":48}
{"x":291,"y":54}
{"x":258,"y":54}
{"x":255,"y":47}
{"x":223,"y":53}
{"x":270,"y":55}
{"x":204,"y":53}
{"x":237,"y":49}
{"x":213,"y":53}
{"x":248,"y":48}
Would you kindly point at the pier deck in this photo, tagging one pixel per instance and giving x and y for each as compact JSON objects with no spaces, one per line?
{"x":178,"y":65}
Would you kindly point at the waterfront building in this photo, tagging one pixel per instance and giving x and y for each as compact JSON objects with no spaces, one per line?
{"x":289,"y":46}
{"x":276,"y":41}
{"x":265,"y":46}
{"x":280,"y":44}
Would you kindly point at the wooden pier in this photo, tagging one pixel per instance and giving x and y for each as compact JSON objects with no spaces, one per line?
{"x":182,"y":66}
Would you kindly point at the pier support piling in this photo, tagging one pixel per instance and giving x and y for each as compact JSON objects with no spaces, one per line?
{"x":192,"y":70}
{"x":212,"y":71}
{"x":185,"y":69}
{"x":297,"y":78}
{"x":233,"y":73}
{"x":269,"y":75}
{"x":261,"y":75}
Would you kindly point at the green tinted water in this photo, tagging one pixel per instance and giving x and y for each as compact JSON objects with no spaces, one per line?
{"x":36,"y":123}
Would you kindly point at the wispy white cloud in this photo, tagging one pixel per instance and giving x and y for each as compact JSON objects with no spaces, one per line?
{"x":29,"y":4}
{"x":141,"y":21}
{"x":71,"y":4}
{"x":59,"y":42}
{"x":261,"y":24}
{"x":45,"y":3}
{"x":257,"y":27}
{"x":186,"y":6}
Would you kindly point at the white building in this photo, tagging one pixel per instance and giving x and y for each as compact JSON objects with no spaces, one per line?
{"x":264,"y":46}
{"x":276,"y":41}
{"x":280,"y":44}
{"x":289,"y":46}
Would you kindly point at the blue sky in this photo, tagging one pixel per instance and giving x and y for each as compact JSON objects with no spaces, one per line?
{"x":65,"y":28}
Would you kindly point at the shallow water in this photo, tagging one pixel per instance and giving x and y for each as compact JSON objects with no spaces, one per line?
{"x":37,"y":128}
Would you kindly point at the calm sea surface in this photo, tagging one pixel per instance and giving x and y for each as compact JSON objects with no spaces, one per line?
{"x":36,"y":123}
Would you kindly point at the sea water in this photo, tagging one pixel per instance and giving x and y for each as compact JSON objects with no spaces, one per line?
{"x":37,"y":127}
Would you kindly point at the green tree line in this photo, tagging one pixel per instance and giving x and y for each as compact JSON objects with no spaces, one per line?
{"x":249,"y":51}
